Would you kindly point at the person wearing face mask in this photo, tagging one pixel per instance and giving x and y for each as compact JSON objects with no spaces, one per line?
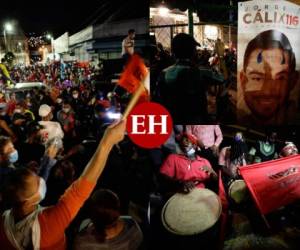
{"x":187,"y":170}
{"x":265,"y":150}
{"x":57,"y":105}
{"x":209,"y":138}
{"x":66,"y":118}
{"x":24,"y":109}
{"x":8,"y":157}
{"x":51,"y":129}
{"x":28,"y":226}
{"x":77,"y":104}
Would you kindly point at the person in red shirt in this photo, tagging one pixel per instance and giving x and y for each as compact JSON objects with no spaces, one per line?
{"x":66,"y":118}
{"x":186,"y":170}
{"x":28,"y":226}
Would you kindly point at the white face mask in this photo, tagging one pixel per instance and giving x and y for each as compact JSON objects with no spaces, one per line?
{"x":75,"y":96}
{"x":13,"y":157}
{"x":66,"y":110}
{"x":42,"y":189}
{"x":190,"y":152}
{"x":41,"y":192}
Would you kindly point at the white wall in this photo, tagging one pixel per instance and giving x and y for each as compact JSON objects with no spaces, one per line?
{"x":61,"y":44}
{"x":81,"y":36}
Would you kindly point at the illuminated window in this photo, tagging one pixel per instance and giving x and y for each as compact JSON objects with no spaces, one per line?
{"x":211,"y":32}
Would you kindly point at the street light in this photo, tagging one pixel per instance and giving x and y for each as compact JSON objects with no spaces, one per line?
{"x":162,"y":9}
{"x":8,"y":27}
{"x":50,"y":37}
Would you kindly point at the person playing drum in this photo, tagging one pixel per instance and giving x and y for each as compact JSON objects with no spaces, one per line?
{"x":182,"y":172}
{"x":288,"y":149}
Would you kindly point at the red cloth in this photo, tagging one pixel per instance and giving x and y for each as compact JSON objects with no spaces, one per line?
{"x":273,"y":184}
{"x":181,"y":168}
{"x":135,"y":71}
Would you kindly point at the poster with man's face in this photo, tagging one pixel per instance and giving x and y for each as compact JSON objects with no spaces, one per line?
{"x":268,"y":62}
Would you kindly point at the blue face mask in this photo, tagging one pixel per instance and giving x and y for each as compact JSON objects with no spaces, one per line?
{"x":13,"y":157}
{"x":190,"y":151}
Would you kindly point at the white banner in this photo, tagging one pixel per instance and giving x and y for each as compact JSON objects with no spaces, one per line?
{"x":268,"y":62}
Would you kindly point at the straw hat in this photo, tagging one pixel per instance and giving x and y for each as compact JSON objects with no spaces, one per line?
{"x":193,"y":213}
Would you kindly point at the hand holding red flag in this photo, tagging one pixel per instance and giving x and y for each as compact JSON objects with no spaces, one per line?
{"x":133,"y":79}
{"x":133,"y":75}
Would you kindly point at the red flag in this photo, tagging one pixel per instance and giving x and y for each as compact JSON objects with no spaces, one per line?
{"x":224,"y":215}
{"x":273,"y":184}
{"x":135,"y":71}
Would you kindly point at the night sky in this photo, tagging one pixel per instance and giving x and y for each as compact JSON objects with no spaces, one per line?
{"x":58,"y":16}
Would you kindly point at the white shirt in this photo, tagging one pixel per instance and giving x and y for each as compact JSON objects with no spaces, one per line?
{"x":129,"y":44}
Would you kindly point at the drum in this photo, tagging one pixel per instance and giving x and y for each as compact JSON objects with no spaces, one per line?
{"x":238,"y":191}
{"x":192,"y":213}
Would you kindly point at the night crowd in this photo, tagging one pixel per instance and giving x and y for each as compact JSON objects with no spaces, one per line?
{"x":54,"y":142}
{"x":203,"y":80}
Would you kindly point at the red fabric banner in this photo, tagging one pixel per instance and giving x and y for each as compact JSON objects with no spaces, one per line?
{"x":273,"y":184}
{"x":135,"y":71}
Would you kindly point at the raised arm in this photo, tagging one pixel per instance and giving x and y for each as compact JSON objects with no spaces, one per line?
{"x":61,"y":215}
{"x":113,"y":135}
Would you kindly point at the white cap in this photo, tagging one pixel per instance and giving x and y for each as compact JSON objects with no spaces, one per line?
{"x":44,"y":110}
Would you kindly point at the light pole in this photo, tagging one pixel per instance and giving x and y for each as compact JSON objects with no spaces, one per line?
{"x":8,"y":27}
{"x":50,"y":37}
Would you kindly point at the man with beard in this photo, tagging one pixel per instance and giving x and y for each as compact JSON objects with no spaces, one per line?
{"x":267,"y":79}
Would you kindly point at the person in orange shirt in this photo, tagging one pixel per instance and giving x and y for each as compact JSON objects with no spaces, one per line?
{"x":27,"y":225}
